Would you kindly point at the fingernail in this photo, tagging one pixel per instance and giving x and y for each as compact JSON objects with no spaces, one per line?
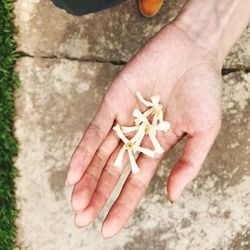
{"x":107,"y":232}
{"x":81,"y":220}
{"x":166,"y":192}
{"x":106,"y":237}
{"x":171,"y":202}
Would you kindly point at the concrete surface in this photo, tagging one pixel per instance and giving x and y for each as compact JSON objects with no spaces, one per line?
{"x":58,"y":97}
{"x":105,"y":36}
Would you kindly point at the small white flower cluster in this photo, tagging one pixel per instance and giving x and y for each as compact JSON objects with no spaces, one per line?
{"x":142,"y":127}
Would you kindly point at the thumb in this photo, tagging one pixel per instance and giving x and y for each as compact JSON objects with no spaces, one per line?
{"x":189,"y":164}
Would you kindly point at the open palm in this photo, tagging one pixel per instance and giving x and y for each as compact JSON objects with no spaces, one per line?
{"x":187,"y":79}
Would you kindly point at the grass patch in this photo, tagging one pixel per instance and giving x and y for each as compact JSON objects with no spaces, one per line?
{"x":8,"y":144}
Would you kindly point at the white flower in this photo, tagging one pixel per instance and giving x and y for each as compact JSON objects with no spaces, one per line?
{"x":151,"y":129}
{"x":142,"y":127}
{"x":131,"y":146}
{"x":155,"y":108}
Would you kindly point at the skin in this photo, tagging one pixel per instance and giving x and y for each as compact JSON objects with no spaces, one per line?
{"x":181,"y":65}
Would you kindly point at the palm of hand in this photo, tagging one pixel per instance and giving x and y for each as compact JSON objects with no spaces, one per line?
{"x":188,"y":83}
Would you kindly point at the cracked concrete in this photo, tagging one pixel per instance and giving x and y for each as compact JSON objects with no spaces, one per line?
{"x":57,"y":99}
{"x":85,"y":59}
{"x":75,"y":37}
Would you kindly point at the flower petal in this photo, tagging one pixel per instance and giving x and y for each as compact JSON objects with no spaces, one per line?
{"x":126,"y":129}
{"x":142,"y":100}
{"x":137,"y":122}
{"x":160,"y":116}
{"x":146,"y":151}
{"x":156,"y":144}
{"x":145,"y":114}
{"x":155,"y":119}
{"x":163,"y":126}
{"x":139,"y":133}
{"x":133,"y":163}
{"x":139,"y":140}
{"x":118,"y":131}
{"x":137,"y":113}
{"x":155,"y":99}
{"x":118,"y":161}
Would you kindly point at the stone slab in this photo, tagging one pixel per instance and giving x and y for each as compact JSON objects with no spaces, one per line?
{"x":56,"y":100}
{"x":110,"y":35}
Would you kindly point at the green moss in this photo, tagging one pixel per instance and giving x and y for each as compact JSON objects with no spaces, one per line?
{"x":8,"y":144}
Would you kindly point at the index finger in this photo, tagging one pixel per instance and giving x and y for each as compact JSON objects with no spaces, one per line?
{"x":92,"y":138}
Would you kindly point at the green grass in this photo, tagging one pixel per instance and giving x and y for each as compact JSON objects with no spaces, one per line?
{"x":8,"y":144}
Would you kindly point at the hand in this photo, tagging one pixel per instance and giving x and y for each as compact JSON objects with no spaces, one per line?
{"x":187,"y":78}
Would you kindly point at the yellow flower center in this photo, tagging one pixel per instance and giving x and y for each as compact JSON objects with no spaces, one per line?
{"x":129,"y":144}
{"x":155,"y":111}
{"x":147,"y":128}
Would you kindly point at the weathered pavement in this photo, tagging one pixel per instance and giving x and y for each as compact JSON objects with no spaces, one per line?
{"x":66,"y":66}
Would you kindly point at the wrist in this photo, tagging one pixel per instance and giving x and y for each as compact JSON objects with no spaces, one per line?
{"x":214,"y":25}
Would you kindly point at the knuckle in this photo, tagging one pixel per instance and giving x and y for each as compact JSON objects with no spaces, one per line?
{"x":79,"y":157}
{"x":94,"y":129}
{"x":189,"y":167}
{"x":90,"y":179}
{"x":128,"y":208}
{"x":138,"y":183}
{"x":81,"y":150}
{"x":110,"y":172}
{"x":184,"y":163}
{"x":101,"y":156}
{"x":102,"y":196}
